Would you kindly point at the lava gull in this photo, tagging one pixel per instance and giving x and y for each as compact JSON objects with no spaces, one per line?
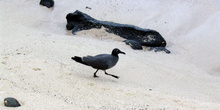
{"x":101,"y":61}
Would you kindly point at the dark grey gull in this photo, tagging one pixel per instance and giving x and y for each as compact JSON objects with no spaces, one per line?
{"x":101,"y":61}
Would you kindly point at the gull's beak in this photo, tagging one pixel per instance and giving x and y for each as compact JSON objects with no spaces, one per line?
{"x":122,"y":52}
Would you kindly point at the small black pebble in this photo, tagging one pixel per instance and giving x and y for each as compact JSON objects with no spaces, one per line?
{"x":11,"y":102}
{"x":47,"y":3}
{"x":88,"y":8}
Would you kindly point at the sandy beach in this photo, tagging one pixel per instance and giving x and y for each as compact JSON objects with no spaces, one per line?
{"x":36,"y":49}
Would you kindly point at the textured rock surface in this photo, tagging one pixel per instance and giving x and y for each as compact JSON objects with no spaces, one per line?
{"x":79,"y":21}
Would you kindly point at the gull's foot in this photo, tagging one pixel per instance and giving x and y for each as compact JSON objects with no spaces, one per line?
{"x":95,"y":76}
{"x":115,"y":76}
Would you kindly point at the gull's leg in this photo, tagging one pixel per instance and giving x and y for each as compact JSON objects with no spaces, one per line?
{"x":111,"y":75}
{"x":95,"y":76}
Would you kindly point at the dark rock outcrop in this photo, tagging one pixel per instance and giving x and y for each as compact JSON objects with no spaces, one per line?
{"x":47,"y":3}
{"x":134,"y":44}
{"x":11,"y":102}
{"x":135,"y":36}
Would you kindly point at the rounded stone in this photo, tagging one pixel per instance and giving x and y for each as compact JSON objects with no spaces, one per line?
{"x":11,"y":102}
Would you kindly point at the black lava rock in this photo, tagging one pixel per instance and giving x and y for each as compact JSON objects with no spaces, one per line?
{"x":158,"y":49}
{"x":11,"y":102}
{"x":134,"y":44}
{"x":136,"y":36}
{"x":47,"y":3}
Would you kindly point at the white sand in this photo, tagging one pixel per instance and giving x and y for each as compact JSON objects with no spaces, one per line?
{"x":37,"y":70}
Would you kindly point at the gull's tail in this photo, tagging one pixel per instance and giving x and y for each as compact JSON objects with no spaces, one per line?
{"x":79,"y":60}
